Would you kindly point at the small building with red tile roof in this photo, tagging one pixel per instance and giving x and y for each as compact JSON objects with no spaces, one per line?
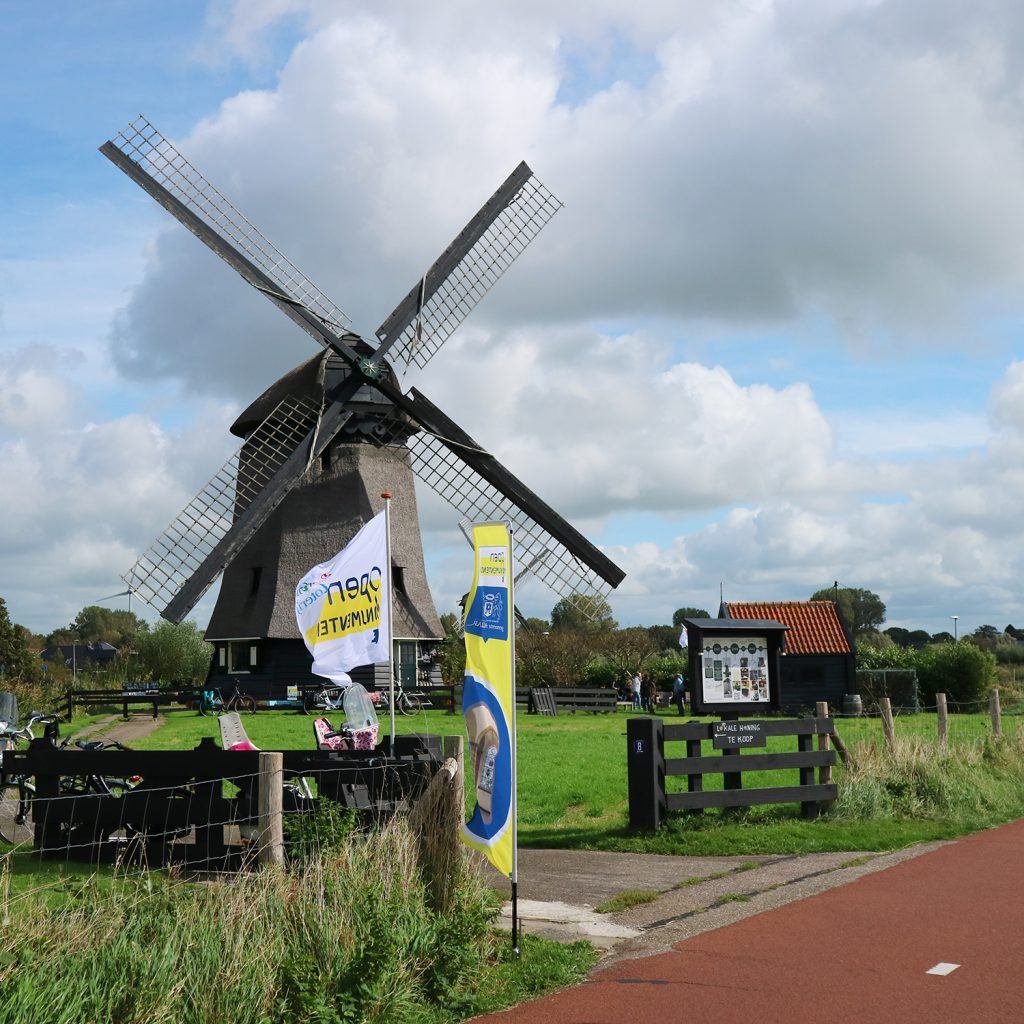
{"x":818,"y":663}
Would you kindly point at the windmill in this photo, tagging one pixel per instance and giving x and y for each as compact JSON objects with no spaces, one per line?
{"x":350,"y":393}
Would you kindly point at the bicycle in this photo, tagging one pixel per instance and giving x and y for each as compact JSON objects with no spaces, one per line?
{"x":407,"y":702}
{"x":212,"y":702}
{"x":10,"y":737}
{"x":328,"y":698}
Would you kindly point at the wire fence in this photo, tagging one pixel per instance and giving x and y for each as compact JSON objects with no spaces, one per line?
{"x":118,"y":827}
{"x":956,"y":723}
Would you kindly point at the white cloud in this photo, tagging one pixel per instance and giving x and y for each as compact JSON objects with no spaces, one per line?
{"x":783,"y":160}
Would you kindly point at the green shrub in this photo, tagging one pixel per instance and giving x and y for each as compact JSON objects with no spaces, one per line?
{"x":960,"y":670}
{"x":663,"y":669}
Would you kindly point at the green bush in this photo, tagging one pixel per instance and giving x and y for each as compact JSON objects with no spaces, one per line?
{"x":961,"y":671}
{"x":663,"y":669}
{"x":600,"y":673}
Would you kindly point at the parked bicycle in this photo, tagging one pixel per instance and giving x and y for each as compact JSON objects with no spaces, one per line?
{"x":212,"y":702}
{"x":407,"y":702}
{"x":327,"y":698}
{"x":11,"y":736}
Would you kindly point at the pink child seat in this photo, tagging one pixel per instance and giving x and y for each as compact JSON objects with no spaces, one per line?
{"x":361,"y":727}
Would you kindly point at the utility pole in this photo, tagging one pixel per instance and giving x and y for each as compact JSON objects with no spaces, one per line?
{"x":954,"y":618}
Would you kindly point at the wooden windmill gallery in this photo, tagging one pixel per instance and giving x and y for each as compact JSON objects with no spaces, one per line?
{"x":322,"y":443}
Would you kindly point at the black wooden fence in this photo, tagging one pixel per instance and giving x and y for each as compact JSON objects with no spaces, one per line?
{"x":648,"y":766}
{"x":194,"y":806}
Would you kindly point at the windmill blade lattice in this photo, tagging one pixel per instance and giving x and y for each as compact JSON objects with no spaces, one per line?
{"x":174,"y":557}
{"x":144,"y":146}
{"x":465,"y":272}
{"x":477,"y":500}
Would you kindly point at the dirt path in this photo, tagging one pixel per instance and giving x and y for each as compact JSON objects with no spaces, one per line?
{"x":116,"y":728}
{"x":856,"y":954}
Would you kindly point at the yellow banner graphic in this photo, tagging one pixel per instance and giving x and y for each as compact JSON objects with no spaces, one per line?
{"x":488,"y":697}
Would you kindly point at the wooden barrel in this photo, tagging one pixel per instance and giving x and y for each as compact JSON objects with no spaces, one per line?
{"x":853,"y":705}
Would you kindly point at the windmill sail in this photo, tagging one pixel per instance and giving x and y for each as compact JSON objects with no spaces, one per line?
{"x":463,"y":274}
{"x":185,"y":560}
{"x":146,"y":156}
{"x":174,"y":559}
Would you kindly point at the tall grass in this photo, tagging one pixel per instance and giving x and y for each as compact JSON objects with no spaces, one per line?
{"x":350,"y":937}
{"x":971,"y":783}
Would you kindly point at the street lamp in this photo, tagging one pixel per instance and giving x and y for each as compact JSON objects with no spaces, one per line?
{"x":954,"y":618}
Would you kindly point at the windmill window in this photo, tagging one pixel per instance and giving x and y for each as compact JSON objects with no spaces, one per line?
{"x":242,"y":656}
{"x":325,"y":460}
{"x":398,"y":577}
{"x":254,"y":581}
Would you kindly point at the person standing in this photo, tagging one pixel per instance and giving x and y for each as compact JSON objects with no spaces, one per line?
{"x":679,"y":692}
{"x":634,"y":689}
{"x":646,"y":702}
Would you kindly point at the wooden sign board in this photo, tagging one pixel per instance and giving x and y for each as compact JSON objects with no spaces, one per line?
{"x":736,"y":735}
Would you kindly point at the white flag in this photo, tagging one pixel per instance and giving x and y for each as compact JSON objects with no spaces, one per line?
{"x":341,"y":606}
{"x":684,"y":640}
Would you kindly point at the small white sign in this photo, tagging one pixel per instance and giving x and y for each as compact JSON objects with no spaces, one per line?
{"x":942,"y":969}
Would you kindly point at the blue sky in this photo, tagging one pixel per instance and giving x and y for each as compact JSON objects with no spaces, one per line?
{"x":715,"y":237}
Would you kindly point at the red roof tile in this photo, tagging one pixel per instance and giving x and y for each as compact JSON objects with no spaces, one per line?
{"x":814,"y":626}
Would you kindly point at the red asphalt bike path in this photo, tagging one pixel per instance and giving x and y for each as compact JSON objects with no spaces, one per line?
{"x":856,"y":954}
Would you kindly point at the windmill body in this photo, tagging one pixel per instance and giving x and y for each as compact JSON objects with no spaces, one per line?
{"x":322,"y":443}
{"x":256,"y":641}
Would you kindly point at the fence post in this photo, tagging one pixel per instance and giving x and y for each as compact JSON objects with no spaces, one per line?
{"x":271,"y":832}
{"x":824,"y":743}
{"x":453,"y":747}
{"x":943,"y":719}
{"x":997,"y":714}
{"x":645,"y":761}
{"x":71,"y":705}
{"x":887,"y":727}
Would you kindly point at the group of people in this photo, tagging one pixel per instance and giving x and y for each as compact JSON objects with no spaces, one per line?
{"x":640,"y":691}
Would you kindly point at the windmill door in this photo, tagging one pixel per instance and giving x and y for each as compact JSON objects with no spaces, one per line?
{"x":406,"y":663}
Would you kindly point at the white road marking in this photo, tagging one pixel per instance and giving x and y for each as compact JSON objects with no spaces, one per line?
{"x":942,"y":969}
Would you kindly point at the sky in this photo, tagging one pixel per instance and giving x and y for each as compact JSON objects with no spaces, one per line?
{"x":770,"y":341}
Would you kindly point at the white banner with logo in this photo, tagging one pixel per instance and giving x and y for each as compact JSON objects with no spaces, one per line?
{"x":341,"y":606}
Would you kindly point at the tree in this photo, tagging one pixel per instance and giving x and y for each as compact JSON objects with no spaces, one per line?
{"x":15,"y":656}
{"x":582,"y":613}
{"x":898,"y":635}
{"x":666,"y":638}
{"x":687,"y":613}
{"x":627,"y":650}
{"x":557,"y":658}
{"x":942,"y":638}
{"x":536,"y":625}
{"x":97,"y":624}
{"x":858,"y":608}
{"x":174,"y":653}
{"x":450,"y":623}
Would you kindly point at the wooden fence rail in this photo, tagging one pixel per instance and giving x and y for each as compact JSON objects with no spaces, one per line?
{"x":648,"y":767}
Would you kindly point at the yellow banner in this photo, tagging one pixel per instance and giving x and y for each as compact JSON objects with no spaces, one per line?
{"x":488,"y":697}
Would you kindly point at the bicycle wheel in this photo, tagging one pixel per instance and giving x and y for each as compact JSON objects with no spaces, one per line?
{"x":406,"y":704}
{"x":246,"y":703}
{"x":205,"y":709}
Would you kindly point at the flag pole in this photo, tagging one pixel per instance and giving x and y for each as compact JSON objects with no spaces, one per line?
{"x":391,"y":625}
{"x":515,"y":752}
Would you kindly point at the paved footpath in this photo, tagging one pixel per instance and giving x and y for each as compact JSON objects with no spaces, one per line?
{"x":858,"y":954}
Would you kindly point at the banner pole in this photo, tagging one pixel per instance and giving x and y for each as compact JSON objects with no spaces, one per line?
{"x":515,"y":744}
{"x":391,"y":624}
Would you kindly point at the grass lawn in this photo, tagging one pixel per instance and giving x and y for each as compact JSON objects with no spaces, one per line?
{"x":572,"y":785}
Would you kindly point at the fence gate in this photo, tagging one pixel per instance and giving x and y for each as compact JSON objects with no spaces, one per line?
{"x":648,"y":766}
